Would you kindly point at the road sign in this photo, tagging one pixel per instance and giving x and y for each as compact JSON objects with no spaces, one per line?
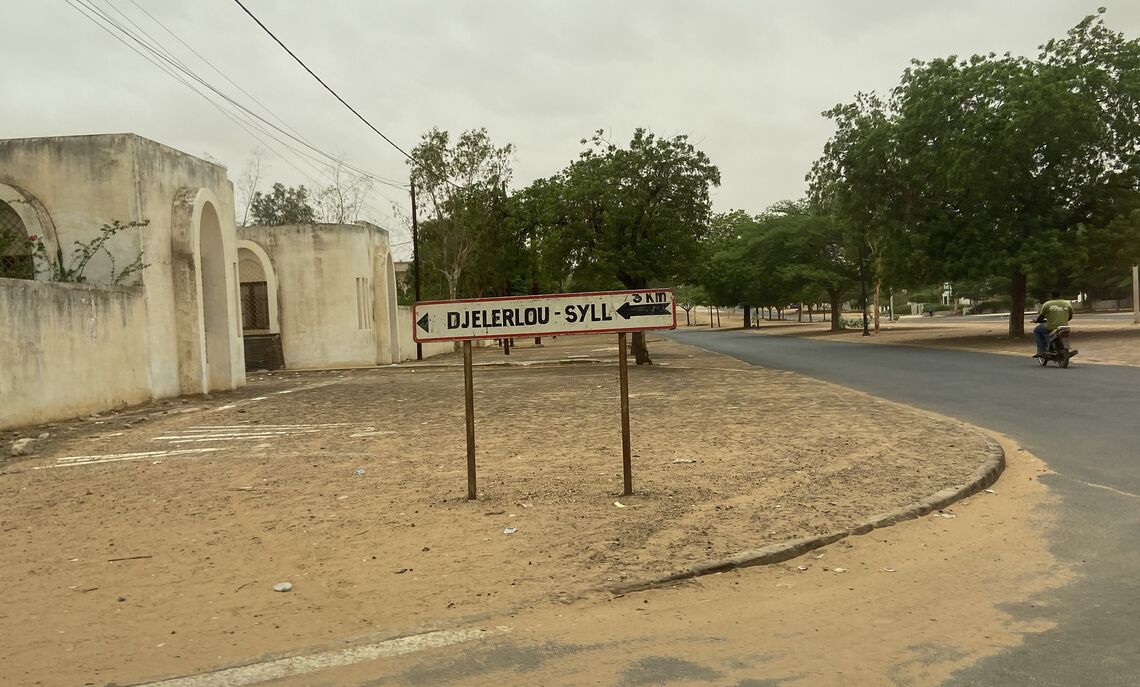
{"x":547,"y":315}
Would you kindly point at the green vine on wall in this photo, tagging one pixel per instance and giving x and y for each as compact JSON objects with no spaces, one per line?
{"x":73,"y":270}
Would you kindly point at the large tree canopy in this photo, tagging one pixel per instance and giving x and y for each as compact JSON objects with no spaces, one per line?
{"x":462,"y":189}
{"x":282,"y":205}
{"x":632,"y":216}
{"x":992,"y":165}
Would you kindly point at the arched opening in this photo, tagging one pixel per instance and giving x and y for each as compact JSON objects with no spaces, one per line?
{"x":254,"y":289}
{"x":203,"y":261}
{"x":16,"y":261}
{"x":22,"y":217}
{"x":257,"y":284}
{"x":215,"y":313}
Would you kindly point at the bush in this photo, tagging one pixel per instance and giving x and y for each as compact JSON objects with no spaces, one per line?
{"x":998,"y":305}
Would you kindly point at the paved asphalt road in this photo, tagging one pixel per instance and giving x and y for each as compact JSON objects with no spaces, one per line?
{"x":1084,"y":422}
{"x":1081,"y":317}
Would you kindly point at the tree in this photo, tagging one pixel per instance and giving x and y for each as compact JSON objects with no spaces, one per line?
{"x":1112,"y":248}
{"x":857,"y":179}
{"x":282,"y":206}
{"x":1007,"y":159}
{"x":689,"y":297}
{"x":343,"y":201}
{"x":633,"y":215}
{"x":732,"y":273}
{"x":809,"y":253}
{"x":464,"y":187}
{"x":247,"y":185}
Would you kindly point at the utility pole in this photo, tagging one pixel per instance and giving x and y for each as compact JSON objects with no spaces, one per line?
{"x":1136,"y":294}
{"x":416,"y":258}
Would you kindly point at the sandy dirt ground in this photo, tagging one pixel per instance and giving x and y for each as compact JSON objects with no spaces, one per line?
{"x":147,"y":542}
{"x":916,"y":603}
{"x":1099,"y":341}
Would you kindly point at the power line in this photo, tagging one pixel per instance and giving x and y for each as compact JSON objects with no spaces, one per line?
{"x":165,"y":55}
{"x":391,"y":182}
{"x":170,"y":64}
{"x":337,"y":95}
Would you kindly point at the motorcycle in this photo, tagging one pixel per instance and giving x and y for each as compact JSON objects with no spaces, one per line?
{"x":1057,"y":349}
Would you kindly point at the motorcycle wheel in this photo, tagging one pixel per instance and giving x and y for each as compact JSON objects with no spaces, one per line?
{"x":1042,"y":361}
{"x":1063,"y":361}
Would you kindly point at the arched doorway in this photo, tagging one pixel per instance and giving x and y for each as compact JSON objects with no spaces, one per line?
{"x":261,"y":331}
{"x":204,"y":270}
{"x":215,"y":298}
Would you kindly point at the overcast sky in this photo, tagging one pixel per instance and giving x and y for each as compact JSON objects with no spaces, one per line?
{"x":745,"y":80}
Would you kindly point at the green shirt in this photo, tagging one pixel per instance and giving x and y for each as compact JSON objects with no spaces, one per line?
{"x":1058,"y":312}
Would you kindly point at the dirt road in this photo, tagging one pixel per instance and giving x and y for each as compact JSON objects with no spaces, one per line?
{"x":147,"y":543}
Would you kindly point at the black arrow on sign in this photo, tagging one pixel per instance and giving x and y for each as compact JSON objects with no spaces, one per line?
{"x":627,"y":311}
{"x":423,"y":323}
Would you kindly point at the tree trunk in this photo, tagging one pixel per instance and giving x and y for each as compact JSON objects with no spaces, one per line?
{"x":809,"y":314}
{"x":1017,"y":304}
{"x":835,"y":316}
{"x":640,"y":350}
{"x":800,"y":313}
{"x":718,"y":315}
{"x":747,"y":316}
{"x":712,"y":323}
{"x":878,"y":286}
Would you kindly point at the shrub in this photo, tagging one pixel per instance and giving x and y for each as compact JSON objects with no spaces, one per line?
{"x":998,"y":305}
{"x":84,"y":252}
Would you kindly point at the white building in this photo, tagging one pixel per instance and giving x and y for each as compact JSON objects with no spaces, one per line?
{"x":326,"y":292}
{"x":322,"y":295}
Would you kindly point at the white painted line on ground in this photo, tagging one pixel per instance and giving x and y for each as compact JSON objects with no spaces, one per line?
{"x":198,"y":440}
{"x":117,"y":457}
{"x":229,"y":433}
{"x":261,"y":427}
{"x":317,"y":385}
{"x":303,"y":665}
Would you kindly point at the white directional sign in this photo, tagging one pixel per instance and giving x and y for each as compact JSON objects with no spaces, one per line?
{"x":547,"y":315}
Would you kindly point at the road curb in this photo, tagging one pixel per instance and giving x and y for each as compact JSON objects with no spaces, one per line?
{"x":981,"y":478}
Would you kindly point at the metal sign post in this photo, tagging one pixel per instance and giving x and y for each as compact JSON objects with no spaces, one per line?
{"x":469,"y":403}
{"x":546,"y":315}
{"x":623,"y":383}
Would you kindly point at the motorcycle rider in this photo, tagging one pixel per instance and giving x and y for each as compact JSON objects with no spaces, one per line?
{"x":1055,"y":312}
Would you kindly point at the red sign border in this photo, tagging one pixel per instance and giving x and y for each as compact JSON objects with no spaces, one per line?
{"x":543,"y":296}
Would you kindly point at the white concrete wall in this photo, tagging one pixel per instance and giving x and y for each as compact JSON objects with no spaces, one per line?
{"x":85,"y":181}
{"x":333,"y":292}
{"x":70,"y":349}
{"x":408,"y":344}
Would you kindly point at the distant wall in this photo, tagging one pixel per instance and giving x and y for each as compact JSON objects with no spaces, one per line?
{"x":70,"y":349}
{"x":408,"y":344}
{"x":1115,"y":304}
{"x":332,"y":292}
